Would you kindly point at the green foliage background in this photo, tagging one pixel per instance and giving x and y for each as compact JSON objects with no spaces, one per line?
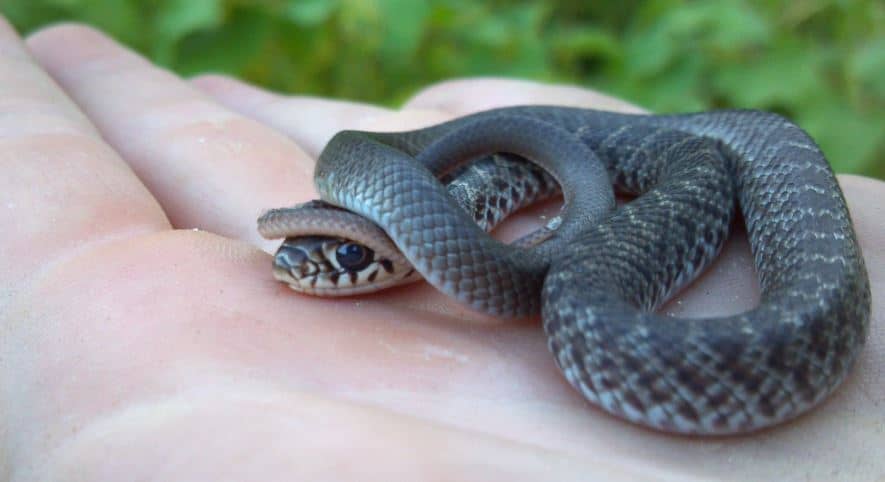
{"x":821,"y":62}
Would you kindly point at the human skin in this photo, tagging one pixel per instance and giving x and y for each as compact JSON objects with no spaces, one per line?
{"x":142,"y":336}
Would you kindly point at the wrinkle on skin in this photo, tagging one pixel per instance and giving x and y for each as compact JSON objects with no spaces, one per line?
{"x":186,"y":148}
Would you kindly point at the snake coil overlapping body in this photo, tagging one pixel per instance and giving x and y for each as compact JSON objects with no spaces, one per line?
{"x":598,"y":277}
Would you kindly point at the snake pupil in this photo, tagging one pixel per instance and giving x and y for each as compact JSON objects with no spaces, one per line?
{"x":354,"y":257}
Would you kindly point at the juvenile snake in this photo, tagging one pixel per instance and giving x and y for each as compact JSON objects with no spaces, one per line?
{"x":600,"y":275}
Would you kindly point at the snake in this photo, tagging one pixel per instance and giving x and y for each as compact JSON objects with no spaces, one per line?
{"x":598,"y":274}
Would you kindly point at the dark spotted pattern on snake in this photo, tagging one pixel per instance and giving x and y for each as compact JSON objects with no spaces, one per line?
{"x":598,"y":279}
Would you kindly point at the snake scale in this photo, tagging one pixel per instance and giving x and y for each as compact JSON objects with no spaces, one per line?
{"x":598,"y":277}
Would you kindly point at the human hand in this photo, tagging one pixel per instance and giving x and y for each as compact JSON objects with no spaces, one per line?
{"x":133,"y":346}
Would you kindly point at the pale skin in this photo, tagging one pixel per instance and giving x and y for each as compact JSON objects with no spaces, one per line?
{"x":134,"y":347}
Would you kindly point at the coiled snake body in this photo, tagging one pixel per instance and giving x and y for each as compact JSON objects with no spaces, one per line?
{"x":598,"y":277}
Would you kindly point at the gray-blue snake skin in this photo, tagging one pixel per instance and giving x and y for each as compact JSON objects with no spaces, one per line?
{"x":598,"y":279}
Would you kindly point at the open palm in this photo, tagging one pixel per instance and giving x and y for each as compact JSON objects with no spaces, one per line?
{"x":144,"y":336}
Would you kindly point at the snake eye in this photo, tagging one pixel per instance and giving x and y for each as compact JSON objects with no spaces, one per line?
{"x":354,"y":257}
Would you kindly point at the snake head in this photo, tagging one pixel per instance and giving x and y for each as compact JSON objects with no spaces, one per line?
{"x":329,"y":251}
{"x":332,"y":266}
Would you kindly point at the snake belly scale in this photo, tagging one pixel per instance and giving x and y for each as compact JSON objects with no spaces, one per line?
{"x":601,"y":274}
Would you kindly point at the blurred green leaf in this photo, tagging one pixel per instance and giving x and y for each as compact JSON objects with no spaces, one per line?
{"x":821,"y":62}
{"x":28,"y":15}
{"x":729,"y":25}
{"x":178,"y":18}
{"x":849,"y":139}
{"x":230,"y":48}
{"x":867,"y":66}
{"x":577,"y":43}
{"x":310,"y":13}
{"x":404,"y":27}
{"x":649,"y":52}
{"x":679,"y":89}
{"x":782,"y":76}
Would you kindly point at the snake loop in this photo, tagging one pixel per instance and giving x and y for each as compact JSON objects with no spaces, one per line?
{"x":599,"y":278}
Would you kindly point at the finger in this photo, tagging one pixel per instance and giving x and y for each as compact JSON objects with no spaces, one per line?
{"x":310,"y":121}
{"x":62,"y":189}
{"x":867,"y":211}
{"x":465,"y":96}
{"x":209,"y":167}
